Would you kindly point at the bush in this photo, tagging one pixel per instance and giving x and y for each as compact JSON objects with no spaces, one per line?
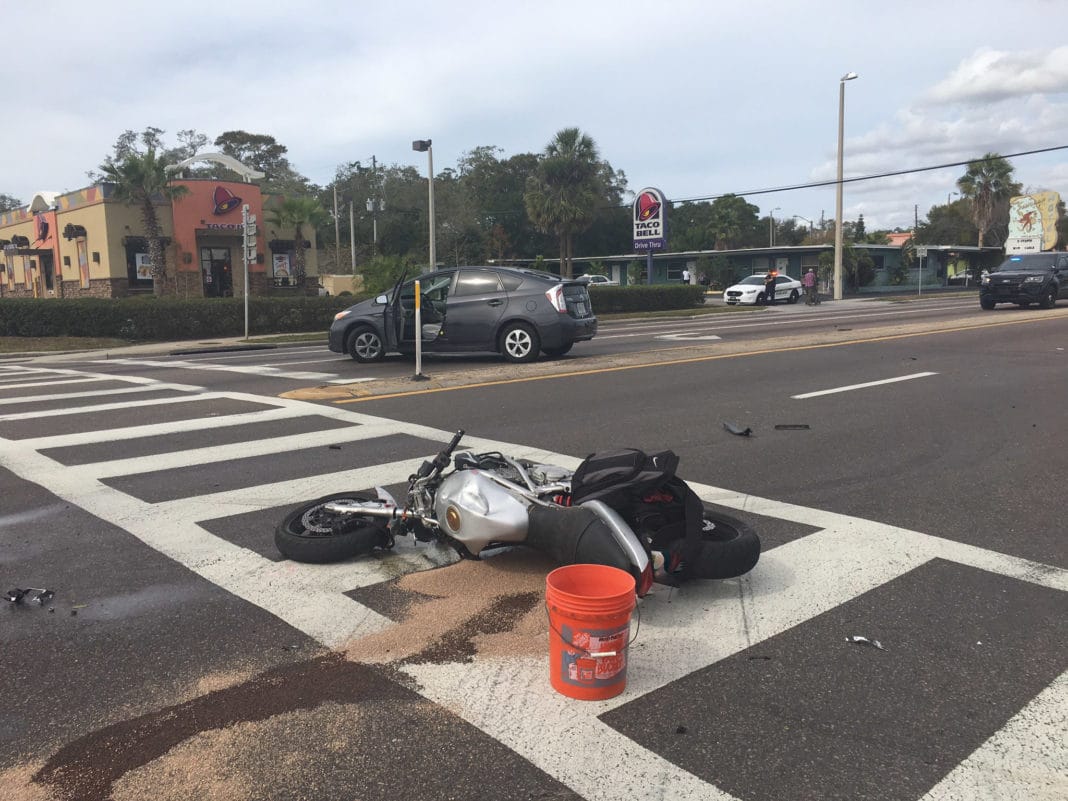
{"x":163,"y":319}
{"x":658,"y":297}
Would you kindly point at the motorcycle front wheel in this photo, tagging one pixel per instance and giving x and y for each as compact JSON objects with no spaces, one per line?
{"x":310,"y":533}
{"x":729,"y":548}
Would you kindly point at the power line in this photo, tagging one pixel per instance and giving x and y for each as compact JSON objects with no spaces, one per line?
{"x":832,"y":182}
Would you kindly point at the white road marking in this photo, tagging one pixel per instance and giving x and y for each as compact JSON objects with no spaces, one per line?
{"x":259,"y":370}
{"x":510,"y":698}
{"x":851,"y":387}
{"x":33,"y":383}
{"x":100,"y":393}
{"x":686,"y":337}
{"x":107,"y":407}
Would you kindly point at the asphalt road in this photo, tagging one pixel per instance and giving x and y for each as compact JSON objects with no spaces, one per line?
{"x":921,"y":506}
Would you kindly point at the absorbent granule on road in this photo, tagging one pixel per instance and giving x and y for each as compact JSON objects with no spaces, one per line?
{"x":17,"y":784}
{"x":490,"y":607}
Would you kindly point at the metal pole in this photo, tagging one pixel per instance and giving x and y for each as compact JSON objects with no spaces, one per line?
{"x":337,"y":232}
{"x":838,"y":193}
{"x":418,"y":331}
{"x":433,"y":229}
{"x":245,"y":242}
{"x":838,"y":197}
{"x":352,"y":237}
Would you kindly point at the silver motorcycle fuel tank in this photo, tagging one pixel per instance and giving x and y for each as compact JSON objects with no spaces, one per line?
{"x":477,"y":511}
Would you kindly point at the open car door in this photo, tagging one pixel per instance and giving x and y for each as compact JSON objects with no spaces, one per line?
{"x":393,"y":317}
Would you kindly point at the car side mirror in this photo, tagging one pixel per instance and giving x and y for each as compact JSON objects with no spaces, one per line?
{"x":382,"y":300}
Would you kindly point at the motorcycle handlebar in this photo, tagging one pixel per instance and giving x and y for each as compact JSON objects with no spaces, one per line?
{"x":441,"y":461}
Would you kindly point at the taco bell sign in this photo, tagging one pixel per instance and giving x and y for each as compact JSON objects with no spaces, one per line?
{"x":650,"y":231}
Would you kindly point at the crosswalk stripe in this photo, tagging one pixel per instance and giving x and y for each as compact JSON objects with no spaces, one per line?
{"x":102,"y":393}
{"x":260,"y":370}
{"x":107,"y":407}
{"x":844,"y":558}
{"x":23,"y":384}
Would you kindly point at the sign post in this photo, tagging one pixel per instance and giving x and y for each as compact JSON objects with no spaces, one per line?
{"x":650,"y":228}
{"x":921,"y":254}
{"x":418,"y":334}
{"x":248,"y":227}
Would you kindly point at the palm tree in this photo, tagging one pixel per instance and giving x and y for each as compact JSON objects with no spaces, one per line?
{"x":987,"y":181}
{"x":139,"y":180}
{"x":563,"y":194}
{"x":292,"y":214}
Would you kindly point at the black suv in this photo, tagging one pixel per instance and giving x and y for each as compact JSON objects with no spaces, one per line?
{"x":1025,"y":279}
{"x":515,"y":312}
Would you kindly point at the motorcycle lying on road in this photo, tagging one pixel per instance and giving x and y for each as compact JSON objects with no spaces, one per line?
{"x":625,"y":509}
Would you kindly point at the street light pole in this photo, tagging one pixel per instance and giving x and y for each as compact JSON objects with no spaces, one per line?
{"x":421,"y":145}
{"x":849,"y":76}
{"x":771,"y":226}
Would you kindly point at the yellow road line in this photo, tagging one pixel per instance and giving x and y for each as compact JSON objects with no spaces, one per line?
{"x":691,"y":360}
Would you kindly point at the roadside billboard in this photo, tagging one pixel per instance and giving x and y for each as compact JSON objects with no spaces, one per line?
{"x":1033,"y":222}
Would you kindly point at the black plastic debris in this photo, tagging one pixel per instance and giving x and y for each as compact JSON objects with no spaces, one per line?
{"x":858,"y":640}
{"x":736,"y":429}
{"x":334,"y":447}
{"x":30,"y":595}
{"x":791,"y":426}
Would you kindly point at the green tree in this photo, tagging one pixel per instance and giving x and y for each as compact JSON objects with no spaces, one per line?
{"x":689,"y":226}
{"x":382,"y":272}
{"x":9,"y":202}
{"x":987,"y":184}
{"x":264,"y":153}
{"x":293,"y":214}
{"x":858,"y":267}
{"x":733,"y":222}
{"x":949,"y":224}
{"x":562,"y":196}
{"x":141,"y":180}
{"x":496,"y":187}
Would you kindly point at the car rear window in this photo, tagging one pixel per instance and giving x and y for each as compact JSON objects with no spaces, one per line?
{"x":511,"y":281}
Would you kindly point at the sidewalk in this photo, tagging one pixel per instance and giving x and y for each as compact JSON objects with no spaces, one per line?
{"x":180,"y":348}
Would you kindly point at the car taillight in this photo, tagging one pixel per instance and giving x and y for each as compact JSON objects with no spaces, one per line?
{"x":556,"y":297}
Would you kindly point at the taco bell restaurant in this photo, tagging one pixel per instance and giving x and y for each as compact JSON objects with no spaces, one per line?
{"x":88,"y":244}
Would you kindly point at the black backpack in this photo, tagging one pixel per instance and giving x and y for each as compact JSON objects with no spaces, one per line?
{"x":644,"y":490}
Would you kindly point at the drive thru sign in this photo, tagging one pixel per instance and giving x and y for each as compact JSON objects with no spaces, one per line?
{"x":650,"y":232}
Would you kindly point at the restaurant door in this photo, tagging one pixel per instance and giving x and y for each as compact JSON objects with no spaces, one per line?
{"x":216,"y":270}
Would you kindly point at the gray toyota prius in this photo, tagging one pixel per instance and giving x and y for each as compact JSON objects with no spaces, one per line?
{"x":512,"y":311}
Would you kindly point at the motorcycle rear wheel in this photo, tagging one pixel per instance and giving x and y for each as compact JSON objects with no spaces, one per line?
{"x":729,"y":548}
{"x":310,"y":533}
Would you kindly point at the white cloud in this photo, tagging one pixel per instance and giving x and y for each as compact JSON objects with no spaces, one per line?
{"x":995,"y":75}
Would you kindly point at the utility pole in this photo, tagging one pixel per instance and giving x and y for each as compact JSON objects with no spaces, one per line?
{"x":337,"y":231}
{"x":352,"y":237}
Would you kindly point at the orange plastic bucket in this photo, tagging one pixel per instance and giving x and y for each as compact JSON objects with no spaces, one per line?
{"x":589,"y":630}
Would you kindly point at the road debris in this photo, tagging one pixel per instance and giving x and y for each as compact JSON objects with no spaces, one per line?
{"x":791,"y":427}
{"x":34,"y":595}
{"x":858,"y":640}
{"x":736,"y":429}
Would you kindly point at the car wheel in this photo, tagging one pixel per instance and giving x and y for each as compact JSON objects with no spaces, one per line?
{"x":365,"y":345}
{"x":761,"y":299}
{"x":986,"y":302}
{"x":519,"y":343}
{"x":556,"y":352}
{"x":1049,"y":298}
{"x":793,"y":297}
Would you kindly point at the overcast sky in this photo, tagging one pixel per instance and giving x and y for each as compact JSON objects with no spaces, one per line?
{"x":694,"y":98}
